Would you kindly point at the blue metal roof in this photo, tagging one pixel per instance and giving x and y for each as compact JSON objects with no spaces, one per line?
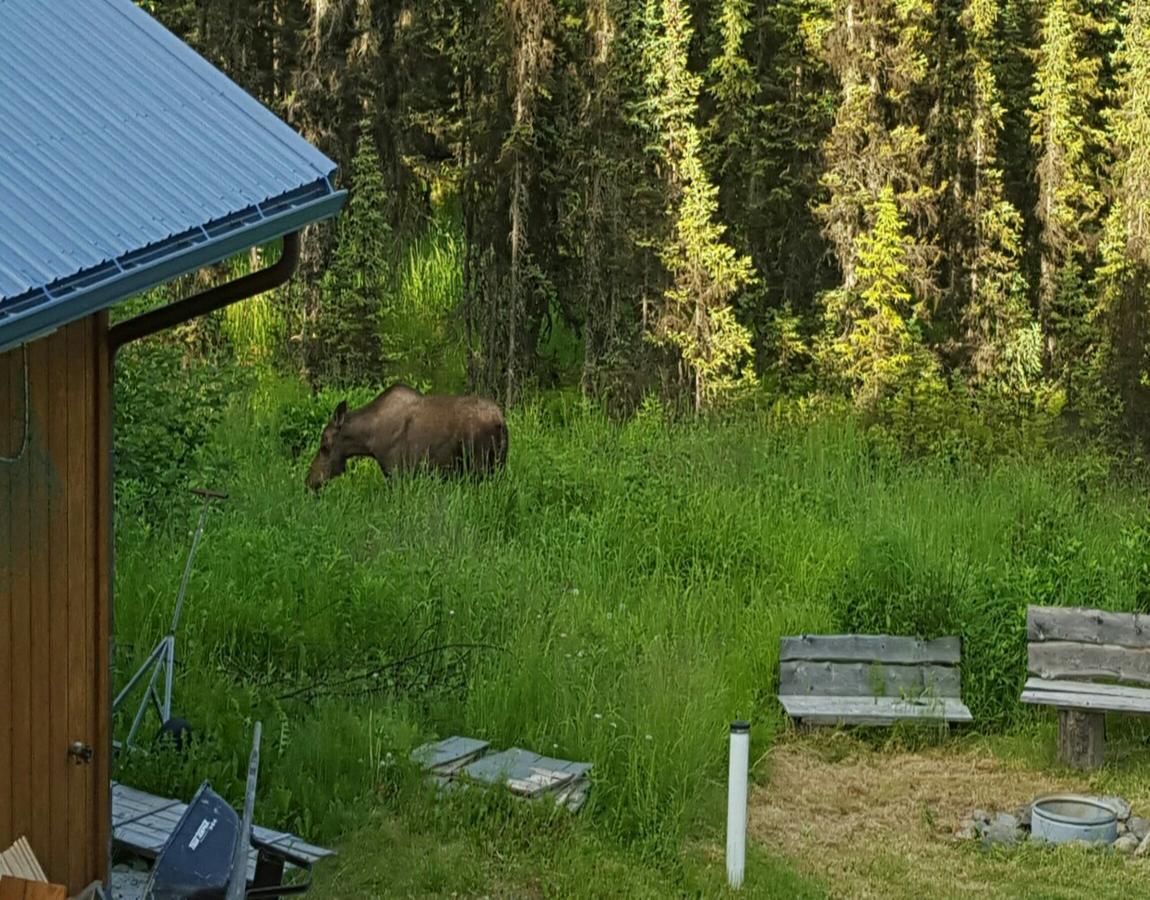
{"x":126,"y":159}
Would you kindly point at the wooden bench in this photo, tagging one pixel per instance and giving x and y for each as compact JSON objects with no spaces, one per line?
{"x":142,"y":824}
{"x":1086,"y":663}
{"x":853,"y":679}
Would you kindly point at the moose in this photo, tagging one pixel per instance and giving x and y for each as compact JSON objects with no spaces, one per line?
{"x":405,"y":430}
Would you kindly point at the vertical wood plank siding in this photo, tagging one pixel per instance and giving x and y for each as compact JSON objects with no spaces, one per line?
{"x":54,"y":601}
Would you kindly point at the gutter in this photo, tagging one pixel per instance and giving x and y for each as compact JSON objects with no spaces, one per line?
{"x":210,"y":300}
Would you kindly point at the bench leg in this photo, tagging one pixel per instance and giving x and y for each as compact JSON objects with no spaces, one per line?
{"x":1081,"y":738}
{"x":269,"y":870}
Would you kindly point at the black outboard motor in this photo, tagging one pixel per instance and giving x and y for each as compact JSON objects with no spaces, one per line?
{"x":197,"y":862}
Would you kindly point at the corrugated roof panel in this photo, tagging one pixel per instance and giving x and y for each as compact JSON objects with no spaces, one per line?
{"x":117,"y":138}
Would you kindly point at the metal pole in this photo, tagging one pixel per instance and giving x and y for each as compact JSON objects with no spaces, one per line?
{"x":737,"y":803}
{"x":139,"y":674}
{"x":143,"y":707}
{"x":238,"y":884}
{"x":169,"y":674}
{"x":188,"y":565}
{"x":166,"y":706}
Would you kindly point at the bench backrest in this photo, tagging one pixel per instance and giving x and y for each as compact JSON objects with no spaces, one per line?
{"x":857,"y":665}
{"x":1076,"y":644}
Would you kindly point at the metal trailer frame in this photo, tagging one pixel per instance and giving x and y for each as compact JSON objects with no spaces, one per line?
{"x":163,"y":656}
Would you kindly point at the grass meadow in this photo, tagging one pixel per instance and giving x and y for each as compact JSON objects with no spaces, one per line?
{"x":616,"y":596}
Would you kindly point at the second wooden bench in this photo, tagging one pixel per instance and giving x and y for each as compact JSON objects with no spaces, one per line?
{"x":1086,"y":663}
{"x":859,"y":679}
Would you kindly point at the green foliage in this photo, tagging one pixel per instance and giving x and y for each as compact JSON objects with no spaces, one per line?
{"x":537,"y":189}
{"x":876,"y":338}
{"x":1068,"y":136}
{"x":418,"y":324}
{"x":877,"y":50}
{"x":999,"y":326}
{"x":705,"y":271}
{"x":551,"y":608}
{"x":162,"y":435}
{"x":344,"y":344}
{"x":1125,"y":247}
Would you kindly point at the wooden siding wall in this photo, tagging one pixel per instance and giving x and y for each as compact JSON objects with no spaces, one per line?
{"x":54,"y":601}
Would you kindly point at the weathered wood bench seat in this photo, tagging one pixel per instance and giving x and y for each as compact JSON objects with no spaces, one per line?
{"x":142,"y":824}
{"x":853,"y":679}
{"x":1086,"y":663}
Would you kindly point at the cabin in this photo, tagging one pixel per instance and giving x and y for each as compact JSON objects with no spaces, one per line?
{"x":126,"y":160}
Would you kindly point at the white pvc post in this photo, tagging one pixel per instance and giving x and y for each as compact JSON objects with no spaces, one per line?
{"x":737,"y":802}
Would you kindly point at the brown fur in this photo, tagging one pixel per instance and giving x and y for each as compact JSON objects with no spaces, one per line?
{"x":402,"y":429}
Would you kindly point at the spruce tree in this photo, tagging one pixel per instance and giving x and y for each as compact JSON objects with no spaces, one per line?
{"x":344,"y":346}
{"x":1124,"y":276}
{"x":876,"y":343}
{"x":1069,"y":141}
{"x":999,"y":331}
{"x":705,"y":271}
{"x":875,"y":162}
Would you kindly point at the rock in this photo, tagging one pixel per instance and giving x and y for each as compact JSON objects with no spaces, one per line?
{"x":1122,"y":829}
{"x":1138,"y":826}
{"x":1003,"y":831}
{"x":981,"y":815}
{"x":966,"y":832}
{"x":1023,"y":816}
{"x":1144,"y":847}
{"x":1125,"y":844}
{"x":1121,"y":807}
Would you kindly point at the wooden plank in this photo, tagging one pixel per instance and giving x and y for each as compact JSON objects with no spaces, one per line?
{"x":872,"y":711}
{"x":1068,"y":700}
{"x":55,"y":536}
{"x":870,"y":648}
{"x":39,"y":666}
{"x":11,"y":425}
{"x":1088,"y":687}
{"x":449,"y":755}
{"x":20,"y":889}
{"x":1087,"y":626}
{"x":1064,"y":659}
{"x":17,"y":671}
{"x":19,"y":860}
{"x":831,"y":679}
{"x":79,"y":532}
{"x":99,"y":609}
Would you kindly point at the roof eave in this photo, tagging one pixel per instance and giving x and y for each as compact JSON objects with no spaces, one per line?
{"x":47,"y":316}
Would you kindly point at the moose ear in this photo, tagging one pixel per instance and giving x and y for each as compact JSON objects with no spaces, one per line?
{"x":340,"y":413}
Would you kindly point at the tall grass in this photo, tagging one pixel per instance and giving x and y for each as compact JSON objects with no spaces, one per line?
{"x":617,"y":596}
{"x":419,"y":326}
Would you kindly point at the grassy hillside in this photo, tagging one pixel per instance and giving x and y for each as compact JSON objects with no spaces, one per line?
{"x":617,"y":596}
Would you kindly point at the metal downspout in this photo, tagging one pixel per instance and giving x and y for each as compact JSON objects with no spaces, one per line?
{"x":210,"y":300}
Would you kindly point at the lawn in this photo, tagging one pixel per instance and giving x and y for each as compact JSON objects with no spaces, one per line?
{"x":617,"y":597}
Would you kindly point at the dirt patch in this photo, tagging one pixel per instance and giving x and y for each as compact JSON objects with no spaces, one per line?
{"x":880,"y":824}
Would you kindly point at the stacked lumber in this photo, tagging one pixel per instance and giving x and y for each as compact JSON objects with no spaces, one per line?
{"x":18,"y":861}
{"x":465,"y":762}
{"x":21,"y":877}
